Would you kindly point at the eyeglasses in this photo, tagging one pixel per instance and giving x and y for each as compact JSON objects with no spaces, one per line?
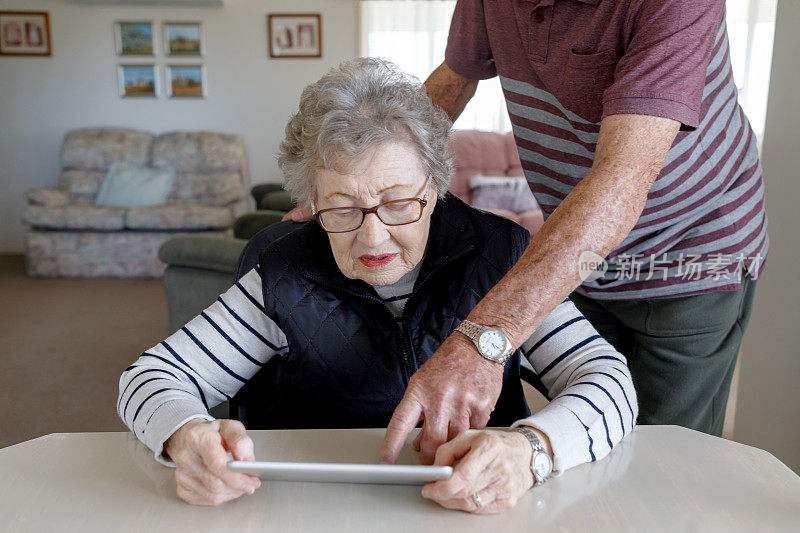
{"x":392,"y":213}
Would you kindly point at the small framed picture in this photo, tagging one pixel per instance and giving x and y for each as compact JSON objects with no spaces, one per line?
{"x":186,"y":81}
{"x":134,"y":38}
{"x":137,"y":80}
{"x":184,"y":39}
{"x":294,"y":35}
{"x":25,"y":33}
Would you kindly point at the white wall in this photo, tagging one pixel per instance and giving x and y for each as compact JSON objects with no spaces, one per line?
{"x":248,"y":93}
{"x":768,"y":405}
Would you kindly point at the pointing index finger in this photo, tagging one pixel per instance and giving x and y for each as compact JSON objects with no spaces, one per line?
{"x":405,"y":418}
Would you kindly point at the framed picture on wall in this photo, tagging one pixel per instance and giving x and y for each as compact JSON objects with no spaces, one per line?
{"x":294,"y":35}
{"x":25,"y":33}
{"x":184,"y":39}
{"x":137,"y":80}
{"x":186,"y":81}
{"x":134,"y":38}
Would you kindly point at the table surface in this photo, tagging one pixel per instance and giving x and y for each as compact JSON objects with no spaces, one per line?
{"x":659,"y":478}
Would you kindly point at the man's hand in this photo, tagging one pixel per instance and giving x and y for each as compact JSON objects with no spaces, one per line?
{"x":455,"y":390}
{"x":298,"y":214}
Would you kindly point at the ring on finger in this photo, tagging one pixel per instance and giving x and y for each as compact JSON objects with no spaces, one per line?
{"x":476,"y":500}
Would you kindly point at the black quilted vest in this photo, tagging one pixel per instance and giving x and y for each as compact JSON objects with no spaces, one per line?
{"x":349,"y":361}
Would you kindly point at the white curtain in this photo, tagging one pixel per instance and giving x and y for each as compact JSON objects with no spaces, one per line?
{"x":751,"y":29}
{"x":413,"y":34}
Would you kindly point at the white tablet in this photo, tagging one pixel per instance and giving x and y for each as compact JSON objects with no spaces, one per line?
{"x":343,"y":472}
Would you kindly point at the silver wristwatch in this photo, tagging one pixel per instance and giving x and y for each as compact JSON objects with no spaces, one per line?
{"x":541,"y":464}
{"x":491,"y":342}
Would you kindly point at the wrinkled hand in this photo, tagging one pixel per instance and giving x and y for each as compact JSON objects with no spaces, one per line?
{"x":456,"y":389}
{"x":199,"y":448}
{"x":493,"y":472}
{"x":298,"y":214}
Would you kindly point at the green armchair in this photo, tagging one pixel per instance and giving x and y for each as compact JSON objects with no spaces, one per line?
{"x":201,"y":268}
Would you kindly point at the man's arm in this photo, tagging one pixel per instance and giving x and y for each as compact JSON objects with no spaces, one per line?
{"x":596,"y":215}
{"x":449,"y":90}
{"x":456,"y":387}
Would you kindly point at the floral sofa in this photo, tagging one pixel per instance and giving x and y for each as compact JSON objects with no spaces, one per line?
{"x":70,"y":236}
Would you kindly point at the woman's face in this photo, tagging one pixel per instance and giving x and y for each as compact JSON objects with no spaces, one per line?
{"x":377,"y":253}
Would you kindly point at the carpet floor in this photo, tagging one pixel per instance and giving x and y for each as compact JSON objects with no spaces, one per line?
{"x":63,"y":346}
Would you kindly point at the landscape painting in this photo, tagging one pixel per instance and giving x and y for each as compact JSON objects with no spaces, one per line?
{"x":137,"y":80}
{"x":183,"y":38}
{"x":134,"y":38}
{"x":186,"y":81}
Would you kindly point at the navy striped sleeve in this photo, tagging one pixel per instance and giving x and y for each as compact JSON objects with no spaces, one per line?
{"x":199,"y":366}
{"x":593,"y":402}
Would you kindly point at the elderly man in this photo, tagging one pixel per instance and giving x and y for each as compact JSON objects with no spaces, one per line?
{"x":629,"y":131}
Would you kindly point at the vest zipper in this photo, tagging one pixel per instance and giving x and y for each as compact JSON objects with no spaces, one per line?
{"x":404,"y":330}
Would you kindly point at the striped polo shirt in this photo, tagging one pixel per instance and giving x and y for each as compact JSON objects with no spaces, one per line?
{"x":566,"y":64}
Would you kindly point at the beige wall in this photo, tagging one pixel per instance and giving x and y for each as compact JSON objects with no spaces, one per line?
{"x":248,"y":93}
{"x":768,"y":407}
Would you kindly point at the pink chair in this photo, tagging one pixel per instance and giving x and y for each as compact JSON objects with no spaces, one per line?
{"x":489,"y":154}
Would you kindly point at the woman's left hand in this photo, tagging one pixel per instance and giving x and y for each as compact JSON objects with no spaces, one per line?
{"x":493,"y":471}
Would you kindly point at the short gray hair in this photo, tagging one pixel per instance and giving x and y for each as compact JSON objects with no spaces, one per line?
{"x":356,"y":106}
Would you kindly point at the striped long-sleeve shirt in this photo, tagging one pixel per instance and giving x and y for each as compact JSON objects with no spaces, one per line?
{"x":593,"y":402}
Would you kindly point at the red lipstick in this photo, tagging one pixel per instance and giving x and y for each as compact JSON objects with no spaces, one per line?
{"x":374,"y":261}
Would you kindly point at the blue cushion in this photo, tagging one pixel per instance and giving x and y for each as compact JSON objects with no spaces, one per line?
{"x":129,"y":185}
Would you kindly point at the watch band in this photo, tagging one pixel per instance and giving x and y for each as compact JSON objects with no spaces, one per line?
{"x":538,"y":447}
{"x":474,"y":331}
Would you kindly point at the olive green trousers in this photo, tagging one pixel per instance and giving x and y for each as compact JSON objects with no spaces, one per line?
{"x":681,"y":351}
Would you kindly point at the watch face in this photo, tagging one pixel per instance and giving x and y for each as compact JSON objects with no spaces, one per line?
{"x":542,"y":464}
{"x":492,"y":343}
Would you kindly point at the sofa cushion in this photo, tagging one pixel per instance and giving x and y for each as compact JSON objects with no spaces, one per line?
{"x":198,"y":152}
{"x":75,"y":217}
{"x":532,"y":220}
{"x":48,"y":196}
{"x":99,"y":148}
{"x":81,"y":183}
{"x":502,"y":192}
{"x":209,"y":188}
{"x":178,"y":217}
{"x":128,"y":185}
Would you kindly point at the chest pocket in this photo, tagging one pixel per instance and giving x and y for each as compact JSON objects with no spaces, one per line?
{"x":585,"y":78}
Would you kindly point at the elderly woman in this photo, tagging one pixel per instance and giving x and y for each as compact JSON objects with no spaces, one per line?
{"x":352,"y":303}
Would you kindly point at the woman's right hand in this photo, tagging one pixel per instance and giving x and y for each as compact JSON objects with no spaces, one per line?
{"x":199,"y":448}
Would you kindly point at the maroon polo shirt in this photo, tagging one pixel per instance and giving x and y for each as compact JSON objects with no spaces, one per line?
{"x":566,"y":64}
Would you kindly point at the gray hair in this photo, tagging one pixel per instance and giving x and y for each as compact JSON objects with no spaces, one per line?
{"x":357,"y":106}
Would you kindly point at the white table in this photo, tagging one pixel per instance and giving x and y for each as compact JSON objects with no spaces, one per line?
{"x":661,"y":478}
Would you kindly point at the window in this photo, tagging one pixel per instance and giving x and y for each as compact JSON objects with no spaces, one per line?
{"x":413,"y":34}
{"x":751,"y":29}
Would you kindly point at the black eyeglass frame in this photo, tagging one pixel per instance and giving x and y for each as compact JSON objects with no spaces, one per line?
{"x":367,"y":210}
